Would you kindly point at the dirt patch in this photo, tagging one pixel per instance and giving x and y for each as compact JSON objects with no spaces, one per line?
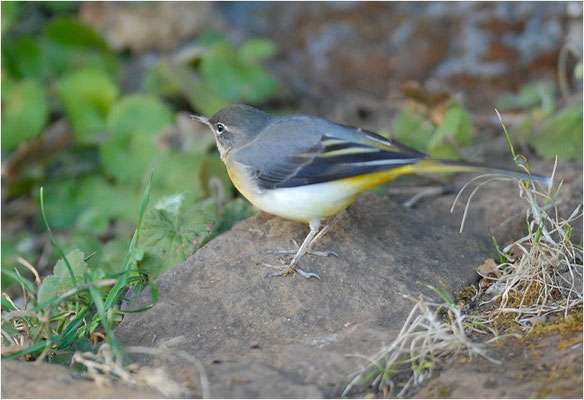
{"x":27,"y":380}
{"x":545,"y":364}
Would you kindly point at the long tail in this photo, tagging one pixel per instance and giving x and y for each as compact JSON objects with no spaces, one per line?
{"x":434,"y":165}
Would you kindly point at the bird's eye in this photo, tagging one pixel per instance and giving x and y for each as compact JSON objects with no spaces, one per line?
{"x":220,"y":128}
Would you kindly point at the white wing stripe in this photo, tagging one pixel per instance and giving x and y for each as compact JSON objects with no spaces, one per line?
{"x":404,"y":161}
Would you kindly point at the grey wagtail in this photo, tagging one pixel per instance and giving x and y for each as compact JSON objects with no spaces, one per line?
{"x":307,"y":168}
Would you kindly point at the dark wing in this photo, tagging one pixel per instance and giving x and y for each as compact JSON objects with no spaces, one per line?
{"x":343,"y":153}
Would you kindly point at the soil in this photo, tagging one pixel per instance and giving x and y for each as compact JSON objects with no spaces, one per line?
{"x":545,"y":364}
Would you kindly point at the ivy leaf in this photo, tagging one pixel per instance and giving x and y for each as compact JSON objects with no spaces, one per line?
{"x":234,"y":77}
{"x":69,"y":31}
{"x":24,"y":113}
{"x":11,"y":11}
{"x":561,"y":135}
{"x":173,"y":77}
{"x":102,"y":200}
{"x":134,"y":122}
{"x":87,"y":96}
{"x":455,"y":130}
{"x":235,"y":211}
{"x":24,"y":58}
{"x":172,"y":231}
{"x":257,"y":49}
{"x":412,"y":129}
{"x":60,"y":281}
{"x":530,"y":96}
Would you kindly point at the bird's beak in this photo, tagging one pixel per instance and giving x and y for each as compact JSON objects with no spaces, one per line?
{"x":202,"y":119}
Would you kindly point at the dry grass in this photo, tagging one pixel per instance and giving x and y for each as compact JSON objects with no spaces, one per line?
{"x":543,"y":271}
{"x":104,"y":369}
{"x":431,"y":332}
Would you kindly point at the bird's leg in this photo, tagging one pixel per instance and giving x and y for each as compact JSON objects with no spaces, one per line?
{"x":309,"y":250}
{"x":314,"y":230}
{"x":291,"y":252}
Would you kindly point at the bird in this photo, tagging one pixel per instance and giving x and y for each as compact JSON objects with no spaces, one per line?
{"x":309,"y":169}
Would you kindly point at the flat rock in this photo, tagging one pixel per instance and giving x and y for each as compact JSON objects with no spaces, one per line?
{"x":27,"y":380}
{"x":291,"y":336}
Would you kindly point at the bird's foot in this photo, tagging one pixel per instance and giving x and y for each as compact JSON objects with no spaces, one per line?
{"x":289,"y":269}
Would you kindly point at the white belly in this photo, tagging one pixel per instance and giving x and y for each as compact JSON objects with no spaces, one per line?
{"x":305,"y":203}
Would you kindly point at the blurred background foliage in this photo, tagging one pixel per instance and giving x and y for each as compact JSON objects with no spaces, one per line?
{"x":77,"y":121}
{"x":69,"y":126}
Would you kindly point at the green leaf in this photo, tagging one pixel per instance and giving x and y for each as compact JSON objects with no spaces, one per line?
{"x":60,"y":6}
{"x":134,"y":122}
{"x":84,"y":242}
{"x":412,"y":129}
{"x":257,"y":49}
{"x":60,"y":59}
{"x":62,"y":192}
{"x":92,"y":221}
{"x":24,"y":113}
{"x":139,"y":115}
{"x":10,"y":12}
{"x":210,"y":38}
{"x":530,"y":96}
{"x":173,"y":231}
{"x":69,"y":31}
{"x":25,"y":58}
{"x":105,"y":200}
{"x":219,"y":70}
{"x":257,"y":84}
{"x":456,"y":125}
{"x":454,"y":131}
{"x":181,"y":172}
{"x":57,"y":284}
{"x":235,"y":211}
{"x":111,"y":255}
{"x":561,"y":135}
{"x":234,"y":78}
{"x":87,"y":96}
{"x":185,"y":80}
{"x":68,"y":46}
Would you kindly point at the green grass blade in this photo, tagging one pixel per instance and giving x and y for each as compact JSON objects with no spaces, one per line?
{"x":114,"y":294}
{"x":52,"y":238}
{"x":7,"y":305}
{"x":14,"y":274}
{"x":139,"y":310}
{"x":30,"y":349}
{"x":68,"y":334}
{"x":102,"y":313}
{"x":508,"y":138}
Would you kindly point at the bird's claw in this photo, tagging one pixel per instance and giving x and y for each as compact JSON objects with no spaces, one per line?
{"x":289,"y":269}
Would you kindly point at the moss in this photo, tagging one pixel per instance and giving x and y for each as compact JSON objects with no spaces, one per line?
{"x":560,"y":383}
{"x":565,"y":327}
{"x":505,"y":322}
{"x":438,"y":392}
{"x":465,"y":295}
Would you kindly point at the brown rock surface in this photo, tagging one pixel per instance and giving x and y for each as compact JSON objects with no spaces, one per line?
{"x":28,"y":380}
{"x":289,"y":337}
{"x":530,"y":368}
